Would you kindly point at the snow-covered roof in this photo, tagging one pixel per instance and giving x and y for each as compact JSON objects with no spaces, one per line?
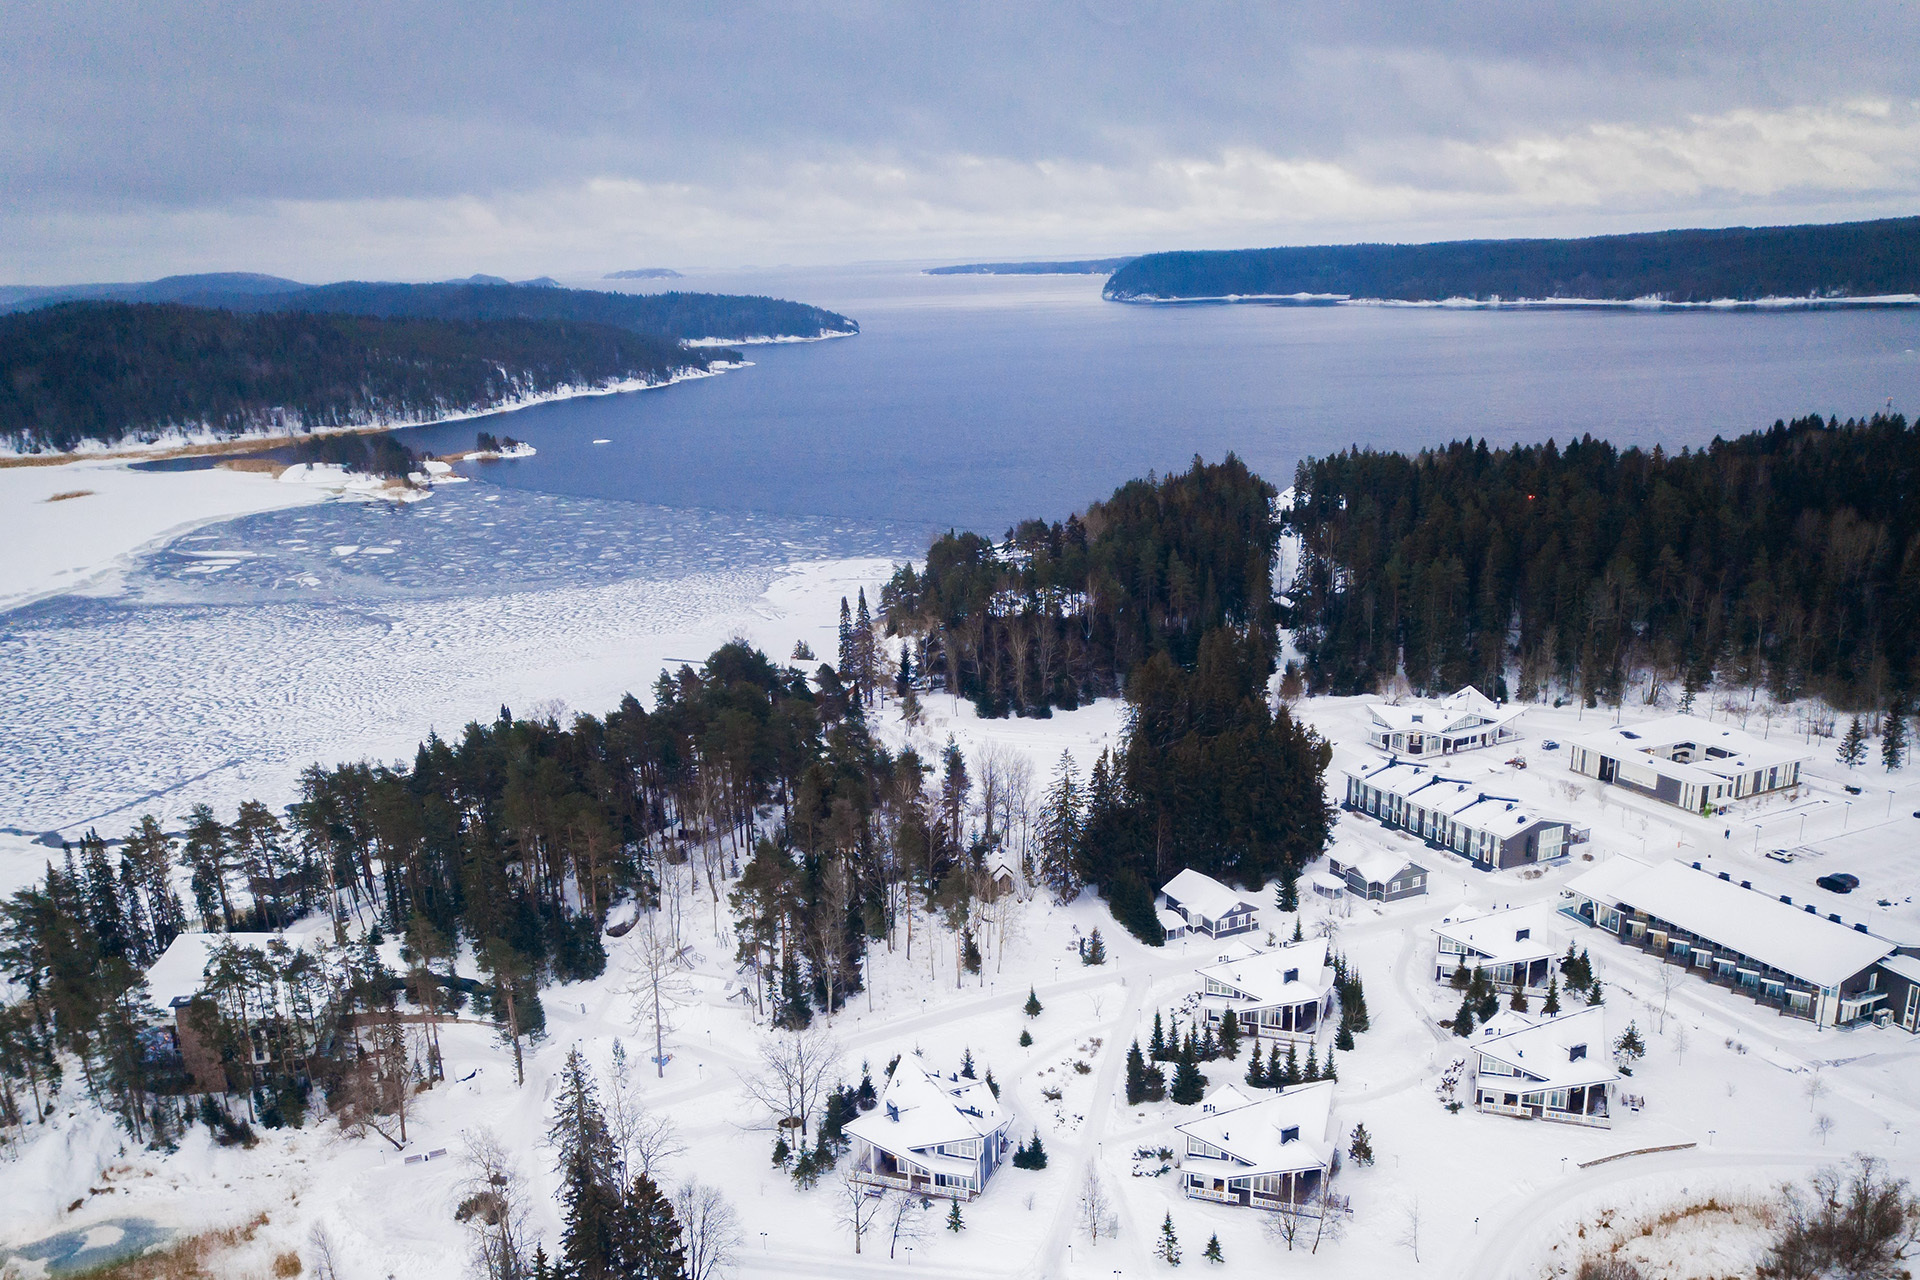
{"x":180,"y":971}
{"x":1907,"y":967}
{"x":1378,"y":866}
{"x":1465,"y":708}
{"x":1202,"y":893}
{"x":1226,"y":1098}
{"x":1497,"y":935}
{"x":1790,"y":939}
{"x":920,"y":1109}
{"x":1003,"y":860}
{"x":1463,"y":799}
{"x":1252,"y":1134}
{"x":1718,"y":750}
{"x":1545,"y":1048}
{"x":1262,"y":976}
{"x":1602,"y":883}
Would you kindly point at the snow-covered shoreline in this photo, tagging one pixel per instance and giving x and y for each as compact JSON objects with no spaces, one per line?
{"x":781,"y":340}
{"x":208,"y":441}
{"x":1530,"y":304}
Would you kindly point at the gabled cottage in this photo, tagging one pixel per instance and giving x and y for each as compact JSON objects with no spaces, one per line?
{"x":930,"y":1135}
{"x":1270,"y":1154}
{"x":1514,"y":948}
{"x":1376,"y":875}
{"x":1196,"y":903}
{"x":1282,"y":994}
{"x":1462,"y":721}
{"x":1556,"y":1068}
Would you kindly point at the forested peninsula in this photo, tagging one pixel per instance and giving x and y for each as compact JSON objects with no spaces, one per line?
{"x":110,"y":373}
{"x":1739,"y":264}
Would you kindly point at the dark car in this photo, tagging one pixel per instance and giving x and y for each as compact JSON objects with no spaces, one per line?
{"x":1549,"y":745}
{"x":1838,"y":882}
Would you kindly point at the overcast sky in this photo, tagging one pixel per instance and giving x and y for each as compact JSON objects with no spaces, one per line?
{"x":411,"y":141}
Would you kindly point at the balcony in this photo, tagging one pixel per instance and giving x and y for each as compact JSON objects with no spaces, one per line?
{"x":1207,"y":1193}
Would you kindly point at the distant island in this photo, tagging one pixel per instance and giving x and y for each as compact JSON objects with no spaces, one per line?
{"x":102,"y":374}
{"x":643,"y":273}
{"x":1795,"y":265}
{"x":1083,"y":267}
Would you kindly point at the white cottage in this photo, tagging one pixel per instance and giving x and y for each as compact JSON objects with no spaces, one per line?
{"x":1464,"y":720}
{"x":1271,"y":1154}
{"x":1282,"y":994}
{"x":930,"y":1135}
{"x":1556,"y":1068}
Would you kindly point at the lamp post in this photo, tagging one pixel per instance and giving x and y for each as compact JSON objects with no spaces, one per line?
{"x":1710,"y":1134}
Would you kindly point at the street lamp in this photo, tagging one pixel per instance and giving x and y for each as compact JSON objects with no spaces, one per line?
{"x":763,"y":1242}
{"x":1710,"y":1134}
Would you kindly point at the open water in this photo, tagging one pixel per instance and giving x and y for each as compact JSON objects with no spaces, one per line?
{"x":238,"y":653}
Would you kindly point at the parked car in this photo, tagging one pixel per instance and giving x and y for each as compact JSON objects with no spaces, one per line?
{"x":1551,"y":745}
{"x":1780,"y":855}
{"x":1853,"y":791}
{"x":1838,"y":882}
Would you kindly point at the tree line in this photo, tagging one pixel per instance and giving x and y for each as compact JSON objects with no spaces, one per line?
{"x":1848,"y":259}
{"x":111,"y":372}
{"x":1786,"y":559}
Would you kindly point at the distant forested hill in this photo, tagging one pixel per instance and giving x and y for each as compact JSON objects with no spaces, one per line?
{"x":1788,"y":559}
{"x":681,"y":316}
{"x":1853,"y":259}
{"x":110,"y":372}
{"x":1082,"y":267}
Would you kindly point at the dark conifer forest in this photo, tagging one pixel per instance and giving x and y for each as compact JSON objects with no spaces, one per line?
{"x":109,"y":372}
{"x":1851,"y":259}
{"x":1787,"y":558}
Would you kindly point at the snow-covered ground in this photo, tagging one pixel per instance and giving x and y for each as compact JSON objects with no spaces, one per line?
{"x":1452,"y":1195}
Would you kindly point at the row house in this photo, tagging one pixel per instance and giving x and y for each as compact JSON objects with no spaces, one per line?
{"x":1790,"y":958}
{"x":1688,"y":762}
{"x":1494,"y":832}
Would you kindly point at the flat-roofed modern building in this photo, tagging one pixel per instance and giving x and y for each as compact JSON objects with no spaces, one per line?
{"x":1687,"y":761}
{"x":1788,"y":957}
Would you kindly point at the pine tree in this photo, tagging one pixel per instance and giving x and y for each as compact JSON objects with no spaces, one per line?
{"x":1169,"y":1246}
{"x":1290,"y":1075}
{"x":1463,"y":1020}
{"x":1360,"y":1150}
{"x":1299,"y":934}
{"x":1519,"y":1001}
{"x":1343,"y":1038}
{"x":1893,"y":734}
{"x":1026,"y":1038}
{"x":1853,"y":747}
{"x":1595,"y":996}
{"x":1032,"y":1006}
{"x":1136,"y":1076}
{"x":1230,"y":1034}
{"x":1276,"y":1074}
{"x":1329,"y":1071}
{"x":1157,"y":1046}
{"x":1629,"y":1049}
{"x":1189,"y":1086}
{"x":845,"y":664}
{"x":1551,"y":1004}
{"x":966,"y":1063}
{"x":1212,"y":1253}
{"x":1312,"y":1070}
{"x":865,"y":654}
{"x":1094,"y":951}
{"x":781,"y":1151}
{"x":1036,"y":1154}
{"x":1209,"y":1049}
{"x":1286,"y":896}
{"x":955,"y":1223}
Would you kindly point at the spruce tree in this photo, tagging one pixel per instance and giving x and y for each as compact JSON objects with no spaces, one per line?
{"x":1276,"y":1074}
{"x":1189,"y":1086}
{"x":1169,"y":1246}
{"x":647,"y":1235}
{"x":1519,"y":1001}
{"x":1329,"y":1071}
{"x":589,"y":1193}
{"x":1213,"y":1253}
{"x":1287,"y":896}
{"x":1290,"y":1074}
{"x":1061,"y":822}
{"x":1360,"y":1150}
{"x":955,"y":1223}
{"x":1343,"y":1038}
{"x":1551,"y":1004}
{"x":966,"y":1063}
{"x":1463,"y":1020}
{"x":1026,"y":1038}
{"x":1299,"y":934}
{"x":781,"y":1151}
{"x":1095,"y":950}
{"x":1853,"y":747}
{"x":1157,"y":1045}
{"x":1032,"y":1006}
{"x":1595,"y":996}
{"x":1256,"y":1068}
{"x":1893,"y":734}
{"x":969,"y":951}
{"x":1136,"y":1076}
{"x":1036,"y":1154}
{"x":1209,"y":1049}
{"x":1230,"y":1034}
{"x":1312,"y":1070}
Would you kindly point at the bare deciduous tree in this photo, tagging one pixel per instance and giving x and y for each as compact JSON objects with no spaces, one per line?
{"x":857,"y":1206}
{"x":904,"y":1220}
{"x":493,"y":1208}
{"x":645,"y":1140}
{"x":796,"y":1069}
{"x":1096,"y":1210}
{"x":709,"y":1229}
{"x":657,"y":986}
{"x":321,"y":1253}
{"x":1410,"y":1227}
